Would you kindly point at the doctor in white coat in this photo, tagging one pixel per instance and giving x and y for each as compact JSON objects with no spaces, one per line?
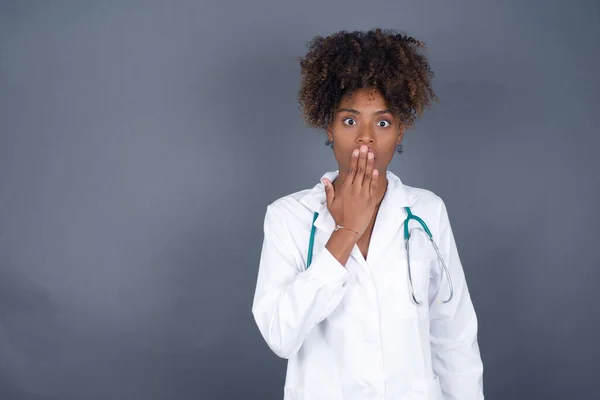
{"x":342,"y":308}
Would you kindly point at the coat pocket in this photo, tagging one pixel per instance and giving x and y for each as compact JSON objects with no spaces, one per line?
{"x":426,"y":389}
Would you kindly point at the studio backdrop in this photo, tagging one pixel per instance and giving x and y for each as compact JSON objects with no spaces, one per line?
{"x":141,"y":142}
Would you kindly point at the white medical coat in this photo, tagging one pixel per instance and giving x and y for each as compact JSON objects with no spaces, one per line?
{"x":352,"y":332}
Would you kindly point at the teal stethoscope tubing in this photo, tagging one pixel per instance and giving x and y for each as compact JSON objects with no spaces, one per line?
{"x":407,"y":235}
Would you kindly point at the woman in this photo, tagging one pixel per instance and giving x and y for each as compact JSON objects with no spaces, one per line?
{"x":335,"y":294}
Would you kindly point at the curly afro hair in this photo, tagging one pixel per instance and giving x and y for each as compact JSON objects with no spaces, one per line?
{"x":386,"y":60}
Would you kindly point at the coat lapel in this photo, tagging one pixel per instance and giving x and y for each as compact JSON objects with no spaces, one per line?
{"x":389,"y":219}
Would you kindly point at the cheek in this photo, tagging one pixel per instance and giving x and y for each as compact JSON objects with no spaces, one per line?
{"x":341,"y":156}
{"x":342,"y":151}
{"x":385,"y":157}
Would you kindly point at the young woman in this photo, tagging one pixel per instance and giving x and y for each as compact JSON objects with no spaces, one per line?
{"x":357,"y":312}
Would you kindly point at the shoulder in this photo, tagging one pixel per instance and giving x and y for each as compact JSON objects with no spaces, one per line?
{"x":412,"y":196}
{"x":428,"y":205}
{"x":294,"y":210}
{"x":288,"y":220}
{"x":290,"y":204}
{"x":425,"y":198}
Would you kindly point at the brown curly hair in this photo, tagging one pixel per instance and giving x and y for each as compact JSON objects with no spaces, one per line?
{"x":387,"y":60}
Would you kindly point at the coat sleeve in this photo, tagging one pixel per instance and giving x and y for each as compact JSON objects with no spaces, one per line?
{"x":456,"y":358}
{"x":289,"y":299}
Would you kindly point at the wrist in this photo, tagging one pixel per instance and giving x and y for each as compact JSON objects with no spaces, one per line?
{"x":347,"y":231}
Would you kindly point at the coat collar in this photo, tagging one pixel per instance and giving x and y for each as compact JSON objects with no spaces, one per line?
{"x":390,"y":216}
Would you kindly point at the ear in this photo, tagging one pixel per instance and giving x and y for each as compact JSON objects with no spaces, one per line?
{"x":400,"y":134}
{"x":329,"y":133}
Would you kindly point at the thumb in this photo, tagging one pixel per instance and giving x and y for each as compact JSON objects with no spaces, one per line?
{"x":329,"y":192}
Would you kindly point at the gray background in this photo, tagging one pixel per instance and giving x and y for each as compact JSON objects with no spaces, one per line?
{"x":141,"y":141}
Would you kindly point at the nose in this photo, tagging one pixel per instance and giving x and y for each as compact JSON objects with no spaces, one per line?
{"x":366,"y":136}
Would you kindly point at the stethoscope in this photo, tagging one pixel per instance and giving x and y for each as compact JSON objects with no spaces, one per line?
{"x":407,"y":236}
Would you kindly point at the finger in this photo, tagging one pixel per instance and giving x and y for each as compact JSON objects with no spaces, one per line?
{"x":361,"y":167}
{"x":329,"y":192}
{"x":374,"y":183}
{"x":368,"y":171}
{"x":352,"y":169}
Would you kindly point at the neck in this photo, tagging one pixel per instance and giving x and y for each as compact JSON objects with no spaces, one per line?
{"x":383,"y":182}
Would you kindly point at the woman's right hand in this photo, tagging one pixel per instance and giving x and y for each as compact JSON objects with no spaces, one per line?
{"x":353,"y":204}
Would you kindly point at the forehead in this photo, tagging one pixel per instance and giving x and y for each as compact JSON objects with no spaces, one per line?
{"x":363,"y":98}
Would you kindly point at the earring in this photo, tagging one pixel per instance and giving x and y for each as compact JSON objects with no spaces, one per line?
{"x":399,"y":148}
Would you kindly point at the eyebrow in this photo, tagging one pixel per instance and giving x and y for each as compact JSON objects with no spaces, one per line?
{"x":353,"y":111}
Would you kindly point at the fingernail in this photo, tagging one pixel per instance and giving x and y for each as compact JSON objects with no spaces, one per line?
{"x":363,"y":148}
{"x":370,"y":155}
{"x":355,"y":152}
